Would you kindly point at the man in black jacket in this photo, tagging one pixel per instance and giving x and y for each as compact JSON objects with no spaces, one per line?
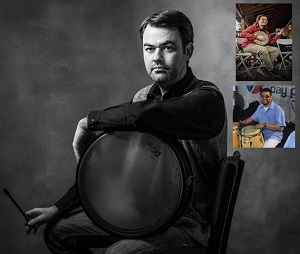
{"x":176,"y":104}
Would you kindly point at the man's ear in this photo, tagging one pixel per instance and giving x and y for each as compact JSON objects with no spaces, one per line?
{"x":189,"y":49}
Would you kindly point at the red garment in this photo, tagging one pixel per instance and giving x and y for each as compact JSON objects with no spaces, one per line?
{"x":249,"y":36}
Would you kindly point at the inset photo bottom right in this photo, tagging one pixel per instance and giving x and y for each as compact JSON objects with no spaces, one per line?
{"x":263,"y":116}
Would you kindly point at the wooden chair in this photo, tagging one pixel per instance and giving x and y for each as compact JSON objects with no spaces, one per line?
{"x":224,"y":202}
{"x":223,"y":207}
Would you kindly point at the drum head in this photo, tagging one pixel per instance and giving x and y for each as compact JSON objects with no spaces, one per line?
{"x":249,"y":131}
{"x":131,"y":183}
{"x":261,"y":33}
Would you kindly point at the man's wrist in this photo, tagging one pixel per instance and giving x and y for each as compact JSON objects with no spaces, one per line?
{"x":54,"y":210}
{"x":53,"y":213}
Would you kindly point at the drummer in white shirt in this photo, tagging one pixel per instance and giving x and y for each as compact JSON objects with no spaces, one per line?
{"x":270,"y":118}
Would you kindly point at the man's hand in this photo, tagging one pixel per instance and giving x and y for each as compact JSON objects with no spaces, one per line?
{"x":82,"y":138}
{"x":260,"y":37}
{"x":258,"y":126}
{"x":39,"y":216}
{"x":280,"y":31}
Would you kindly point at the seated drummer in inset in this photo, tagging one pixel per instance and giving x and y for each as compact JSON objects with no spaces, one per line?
{"x":270,"y":118}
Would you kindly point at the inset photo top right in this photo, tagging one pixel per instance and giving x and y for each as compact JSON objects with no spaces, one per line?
{"x":264,"y":42}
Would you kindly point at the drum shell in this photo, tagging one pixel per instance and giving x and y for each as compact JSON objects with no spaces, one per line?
{"x":251,"y":138}
{"x":125,"y":212}
{"x":235,"y":137}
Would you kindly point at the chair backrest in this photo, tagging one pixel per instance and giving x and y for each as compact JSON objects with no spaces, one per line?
{"x":239,"y":40}
{"x":285,"y":46}
{"x":224,"y":202}
{"x":238,"y":44}
{"x":284,"y":41}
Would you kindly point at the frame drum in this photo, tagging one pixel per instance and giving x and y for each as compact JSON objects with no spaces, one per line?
{"x":134,"y":184}
{"x":251,"y":138}
{"x":265,"y":41}
{"x":235,"y":136}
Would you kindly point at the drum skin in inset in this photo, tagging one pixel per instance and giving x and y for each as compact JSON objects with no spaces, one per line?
{"x":235,"y":136}
{"x":265,"y":41}
{"x":251,"y":138}
{"x":134,"y":184}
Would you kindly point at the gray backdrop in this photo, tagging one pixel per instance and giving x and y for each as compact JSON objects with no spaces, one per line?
{"x":60,"y":59}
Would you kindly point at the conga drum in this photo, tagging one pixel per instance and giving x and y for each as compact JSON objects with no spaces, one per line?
{"x":235,"y":136}
{"x":251,"y":138}
{"x":134,"y":184}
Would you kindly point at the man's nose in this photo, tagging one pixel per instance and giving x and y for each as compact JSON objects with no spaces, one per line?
{"x":158,"y":56}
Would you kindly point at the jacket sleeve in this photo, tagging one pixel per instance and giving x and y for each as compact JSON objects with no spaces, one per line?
{"x":248,"y":33}
{"x":274,"y":39}
{"x":199,"y":114}
{"x":69,"y":201}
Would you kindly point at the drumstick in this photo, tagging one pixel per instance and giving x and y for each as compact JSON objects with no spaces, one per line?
{"x":16,"y":204}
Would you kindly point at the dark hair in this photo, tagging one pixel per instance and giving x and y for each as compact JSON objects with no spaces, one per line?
{"x":259,"y":16}
{"x":266,"y":90}
{"x":171,"y":18}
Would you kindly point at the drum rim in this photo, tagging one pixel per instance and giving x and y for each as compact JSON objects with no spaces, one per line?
{"x":257,"y":132}
{"x":187,"y":183}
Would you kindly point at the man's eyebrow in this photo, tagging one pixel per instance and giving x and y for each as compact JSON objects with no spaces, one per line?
{"x":162,"y":44}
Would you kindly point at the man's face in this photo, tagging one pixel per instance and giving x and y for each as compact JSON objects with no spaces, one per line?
{"x":263,"y":21}
{"x":165,"y":60}
{"x":266,"y":98}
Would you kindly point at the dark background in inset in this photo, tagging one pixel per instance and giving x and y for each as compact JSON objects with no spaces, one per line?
{"x":60,"y":59}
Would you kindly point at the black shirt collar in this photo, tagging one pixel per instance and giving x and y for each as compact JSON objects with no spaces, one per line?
{"x":177,"y":90}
